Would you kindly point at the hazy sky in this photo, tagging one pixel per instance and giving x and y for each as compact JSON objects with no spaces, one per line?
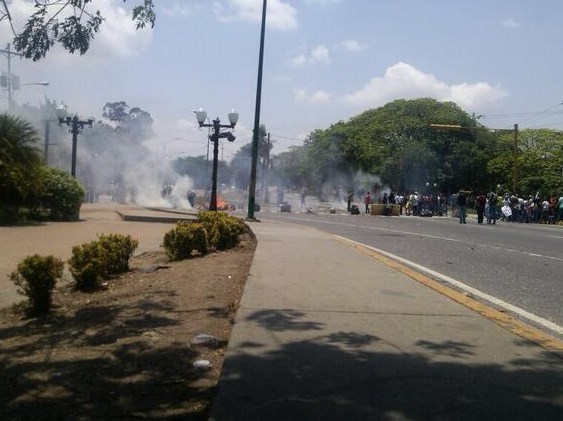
{"x":325,"y":61}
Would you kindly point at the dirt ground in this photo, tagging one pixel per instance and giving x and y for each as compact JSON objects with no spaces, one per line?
{"x":126,"y":352}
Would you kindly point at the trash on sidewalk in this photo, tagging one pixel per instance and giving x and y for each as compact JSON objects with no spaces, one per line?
{"x":204,"y":339}
{"x":201,"y":364}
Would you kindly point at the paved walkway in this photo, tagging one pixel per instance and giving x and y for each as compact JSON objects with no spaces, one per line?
{"x":326,"y":332}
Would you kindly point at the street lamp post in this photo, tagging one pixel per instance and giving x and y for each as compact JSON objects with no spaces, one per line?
{"x":76,"y":126}
{"x":214,"y":137}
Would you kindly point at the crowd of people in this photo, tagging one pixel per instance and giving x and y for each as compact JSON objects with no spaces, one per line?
{"x":514,"y":208}
{"x":490,"y":207}
{"x":416,"y":204}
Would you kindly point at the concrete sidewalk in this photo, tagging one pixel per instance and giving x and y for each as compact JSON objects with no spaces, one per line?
{"x":327,"y":332}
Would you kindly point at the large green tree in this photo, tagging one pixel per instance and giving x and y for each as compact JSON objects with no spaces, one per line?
{"x":409,"y":144}
{"x":73,"y":24}
{"x":540,"y":162}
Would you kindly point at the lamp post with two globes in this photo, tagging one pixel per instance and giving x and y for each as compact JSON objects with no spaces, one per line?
{"x":214,"y":137}
{"x":76,"y":126}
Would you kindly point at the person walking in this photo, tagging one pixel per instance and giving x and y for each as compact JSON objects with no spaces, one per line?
{"x":480,"y":203}
{"x":462,"y":206}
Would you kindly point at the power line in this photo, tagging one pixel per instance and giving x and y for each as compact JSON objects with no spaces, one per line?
{"x":532,"y":114}
{"x":286,"y":138}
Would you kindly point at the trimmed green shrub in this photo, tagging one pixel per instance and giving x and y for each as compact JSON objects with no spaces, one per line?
{"x":36,"y":277}
{"x":181,"y":241}
{"x":223,"y":229}
{"x":117,"y":250}
{"x":100,"y":259}
{"x":62,"y":195}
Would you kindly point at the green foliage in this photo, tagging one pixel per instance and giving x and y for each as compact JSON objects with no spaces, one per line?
{"x":181,"y":241}
{"x":214,"y":231}
{"x":540,"y":161}
{"x":74,"y":29}
{"x":20,"y":161}
{"x":62,"y":195}
{"x":100,"y":259}
{"x":36,"y":277}
{"x":223,"y":229}
{"x":397,"y":143}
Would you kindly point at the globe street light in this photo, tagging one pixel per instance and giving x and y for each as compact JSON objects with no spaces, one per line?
{"x":201,"y":116}
{"x":76,"y":126}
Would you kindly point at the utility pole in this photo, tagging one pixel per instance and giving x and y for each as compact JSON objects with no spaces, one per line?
{"x":255,"y":133}
{"x":76,"y":126}
{"x":46,"y":149}
{"x":9,"y":53}
{"x":515,"y":160}
{"x":266,"y":172}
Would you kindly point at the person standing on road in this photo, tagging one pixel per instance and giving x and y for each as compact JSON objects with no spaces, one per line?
{"x":367,"y":201}
{"x":480,"y":203}
{"x":462,"y":206}
{"x":492,"y":213}
{"x":349,"y":197}
{"x":191,"y":198}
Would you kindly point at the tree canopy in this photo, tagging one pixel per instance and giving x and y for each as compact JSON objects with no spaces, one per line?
{"x":403,"y":143}
{"x":424,"y":145}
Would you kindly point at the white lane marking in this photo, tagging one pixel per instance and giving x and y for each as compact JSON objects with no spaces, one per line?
{"x":436,"y":237}
{"x":496,"y":301}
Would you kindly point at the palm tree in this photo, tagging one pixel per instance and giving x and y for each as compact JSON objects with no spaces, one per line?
{"x":20,"y":161}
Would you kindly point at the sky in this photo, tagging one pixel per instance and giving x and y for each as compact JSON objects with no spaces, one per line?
{"x":324,"y":61}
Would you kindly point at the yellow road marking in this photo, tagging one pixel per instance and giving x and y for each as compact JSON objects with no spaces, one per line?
{"x":504,"y":320}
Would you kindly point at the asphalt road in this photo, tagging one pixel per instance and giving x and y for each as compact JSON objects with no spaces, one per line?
{"x":521,"y":264}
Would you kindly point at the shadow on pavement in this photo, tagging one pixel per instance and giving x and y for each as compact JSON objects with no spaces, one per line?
{"x":355,"y":376}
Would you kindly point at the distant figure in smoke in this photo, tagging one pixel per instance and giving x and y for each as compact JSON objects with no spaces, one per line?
{"x":166,"y":191}
{"x":191,"y":198}
{"x":303,"y":196}
{"x":349,"y":197}
{"x":462,"y":205}
{"x":133,"y":194}
{"x":367,"y":201}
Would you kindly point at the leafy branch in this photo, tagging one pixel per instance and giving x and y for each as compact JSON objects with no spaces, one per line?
{"x":45,"y":27}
